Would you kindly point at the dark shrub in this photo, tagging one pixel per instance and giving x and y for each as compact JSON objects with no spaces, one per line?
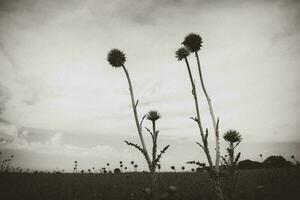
{"x":117,"y":171}
{"x":277,"y":162}
{"x":249,"y":164}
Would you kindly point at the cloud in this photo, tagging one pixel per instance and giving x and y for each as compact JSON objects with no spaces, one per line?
{"x":4,"y":98}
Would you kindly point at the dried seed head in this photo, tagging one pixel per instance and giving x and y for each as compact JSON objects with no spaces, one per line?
{"x":193,"y":42}
{"x":232,"y":136}
{"x":182,"y":53}
{"x":153,"y":115}
{"x":116,"y":58}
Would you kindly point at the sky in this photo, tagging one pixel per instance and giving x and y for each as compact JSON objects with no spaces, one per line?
{"x":61,"y":101}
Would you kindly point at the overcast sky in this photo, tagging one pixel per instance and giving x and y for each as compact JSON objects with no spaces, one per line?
{"x":60,"y":100}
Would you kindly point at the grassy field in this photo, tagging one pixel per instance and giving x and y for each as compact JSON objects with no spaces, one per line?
{"x":266,"y":184}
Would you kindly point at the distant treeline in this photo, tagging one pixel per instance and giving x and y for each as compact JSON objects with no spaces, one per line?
{"x":270,"y":162}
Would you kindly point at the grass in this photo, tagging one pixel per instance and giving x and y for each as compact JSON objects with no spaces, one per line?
{"x":252,"y":185}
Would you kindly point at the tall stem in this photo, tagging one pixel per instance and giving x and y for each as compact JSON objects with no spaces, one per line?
{"x":212,"y":115}
{"x":154,"y":145}
{"x":139,"y":128}
{"x":194,"y":92}
{"x":153,"y":171}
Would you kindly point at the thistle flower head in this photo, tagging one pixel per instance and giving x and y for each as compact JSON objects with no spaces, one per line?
{"x":193,"y":42}
{"x":116,"y":58}
{"x":153,"y":115}
{"x":232,"y":136}
{"x":181,"y":53}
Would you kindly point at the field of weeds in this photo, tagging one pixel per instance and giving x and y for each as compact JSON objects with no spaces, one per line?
{"x":266,"y":184}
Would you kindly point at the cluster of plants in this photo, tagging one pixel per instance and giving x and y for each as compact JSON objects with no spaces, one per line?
{"x":192,"y":44}
{"x":6,"y":164}
{"x":105,"y":170}
{"x":220,"y":169}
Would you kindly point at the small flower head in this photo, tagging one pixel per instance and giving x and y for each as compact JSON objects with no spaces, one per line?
{"x":181,"y":53}
{"x":153,"y":115}
{"x":116,"y":58}
{"x":232,"y":136}
{"x":193,"y":42}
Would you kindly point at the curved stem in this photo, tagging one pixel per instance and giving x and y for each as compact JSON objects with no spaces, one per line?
{"x":212,"y":115}
{"x":194,"y":92}
{"x":139,"y":128}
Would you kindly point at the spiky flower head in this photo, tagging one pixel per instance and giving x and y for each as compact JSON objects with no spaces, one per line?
{"x":153,"y":115}
{"x":116,"y":58}
{"x":182,"y":53}
{"x":193,"y":42}
{"x":232,"y":136}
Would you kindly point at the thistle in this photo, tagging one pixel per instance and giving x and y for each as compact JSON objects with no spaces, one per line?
{"x":233,"y":139}
{"x":173,"y":168}
{"x":193,"y":43}
{"x":182,"y":53}
{"x":153,"y":115}
{"x":117,"y":58}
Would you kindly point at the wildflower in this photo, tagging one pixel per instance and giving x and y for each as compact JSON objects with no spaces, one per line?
{"x":193,"y":42}
{"x":232,"y":136}
{"x":153,"y":115}
{"x":116,"y":58}
{"x":182,"y":53}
